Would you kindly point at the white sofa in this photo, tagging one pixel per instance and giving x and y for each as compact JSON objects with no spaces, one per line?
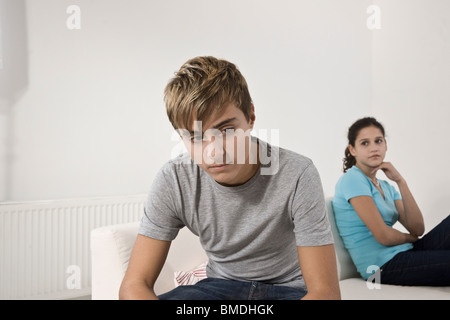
{"x":111,"y":248}
{"x":353,"y":287}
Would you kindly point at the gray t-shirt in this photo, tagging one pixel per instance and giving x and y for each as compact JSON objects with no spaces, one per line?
{"x":249,"y":232}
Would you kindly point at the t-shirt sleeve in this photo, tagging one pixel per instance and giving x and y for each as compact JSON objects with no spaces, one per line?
{"x":354,"y":184}
{"x":311,"y":225}
{"x":160,"y":220}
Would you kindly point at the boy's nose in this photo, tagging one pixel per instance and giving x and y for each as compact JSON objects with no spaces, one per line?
{"x":214,"y":152}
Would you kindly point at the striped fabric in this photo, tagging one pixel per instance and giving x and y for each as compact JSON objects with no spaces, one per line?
{"x":184,"y":278}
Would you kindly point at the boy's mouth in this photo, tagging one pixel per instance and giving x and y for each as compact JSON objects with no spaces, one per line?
{"x":218,"y":167}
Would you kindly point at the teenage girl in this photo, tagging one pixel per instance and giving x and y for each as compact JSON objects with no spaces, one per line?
{"x":366,"y":208}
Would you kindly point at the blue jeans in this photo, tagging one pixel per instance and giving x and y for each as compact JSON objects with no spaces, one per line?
{"x":427,"y":264}
{"x":220,"y":289}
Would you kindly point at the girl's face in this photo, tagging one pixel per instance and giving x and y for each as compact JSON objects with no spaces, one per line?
{"x":370,"y":147}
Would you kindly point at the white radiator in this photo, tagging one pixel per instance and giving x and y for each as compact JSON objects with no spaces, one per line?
{"x":45,"y":245}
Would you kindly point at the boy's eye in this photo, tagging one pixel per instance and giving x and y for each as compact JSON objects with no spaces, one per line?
{"x":227,"y":130}
{"x":196,"y":138}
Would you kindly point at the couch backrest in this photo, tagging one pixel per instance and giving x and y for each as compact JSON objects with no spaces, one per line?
{"x":346,"y":268}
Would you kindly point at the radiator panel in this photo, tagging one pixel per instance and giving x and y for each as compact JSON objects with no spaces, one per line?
{"x":45,"y":245}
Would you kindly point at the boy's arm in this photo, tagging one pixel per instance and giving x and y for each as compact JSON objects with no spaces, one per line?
{"x":146,"y":261}
{"x":319,"y":270}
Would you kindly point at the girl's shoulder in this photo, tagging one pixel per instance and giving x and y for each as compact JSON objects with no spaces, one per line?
{"x":353,"y":183}
{"x":354,"y":175}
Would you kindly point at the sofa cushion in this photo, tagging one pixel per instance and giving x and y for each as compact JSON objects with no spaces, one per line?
{"x":357,"y":289}
{"x":185,"y":278}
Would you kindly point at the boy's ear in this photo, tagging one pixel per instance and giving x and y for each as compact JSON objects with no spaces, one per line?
{"x":252,"y":116}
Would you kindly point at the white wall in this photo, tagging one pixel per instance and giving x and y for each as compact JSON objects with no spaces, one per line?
{"x":411,"y":82}
{"x":3,"y":125}
{"x":13,"y":80}
{"x":82,"y":114}
{"x":91,"y":120}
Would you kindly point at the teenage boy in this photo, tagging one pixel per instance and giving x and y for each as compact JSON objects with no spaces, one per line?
{"x":258,"y":209}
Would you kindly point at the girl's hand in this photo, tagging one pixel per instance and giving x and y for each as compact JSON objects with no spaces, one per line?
{"x":390,"y":171}
{"x":410,"y":238}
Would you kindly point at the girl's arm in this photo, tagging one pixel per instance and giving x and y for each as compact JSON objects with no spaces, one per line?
{"x":410,"y":215}
{"x":368,"y":212}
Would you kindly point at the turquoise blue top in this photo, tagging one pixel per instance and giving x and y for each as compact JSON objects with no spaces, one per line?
{"x":364,"y":249}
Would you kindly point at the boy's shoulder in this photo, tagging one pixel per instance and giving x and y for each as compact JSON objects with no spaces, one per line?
{"x":279,"y":161}
{"x":181,"y":164}
{"x":294,"y":157}
{"x":291,"y":160}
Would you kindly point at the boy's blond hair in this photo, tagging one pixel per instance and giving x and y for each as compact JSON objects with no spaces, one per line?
{"x":204,"y":85}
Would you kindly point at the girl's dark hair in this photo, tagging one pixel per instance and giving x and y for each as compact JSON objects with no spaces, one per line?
{"x":353,"y":131}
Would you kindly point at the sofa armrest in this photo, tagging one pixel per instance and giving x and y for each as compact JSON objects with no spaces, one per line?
{"x":110,"y":251}
{"x":111,"y":248}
